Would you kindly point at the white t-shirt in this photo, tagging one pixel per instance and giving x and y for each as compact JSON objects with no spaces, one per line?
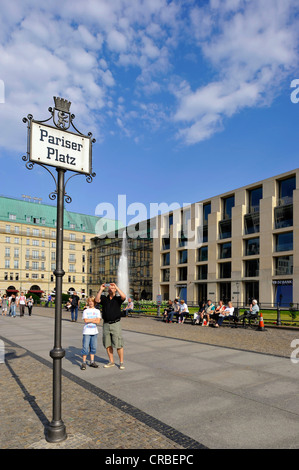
{"x":183,"y":307}
{"x":91,"y":328}
{"x":227,"y":312}
{"x":22,"y":299}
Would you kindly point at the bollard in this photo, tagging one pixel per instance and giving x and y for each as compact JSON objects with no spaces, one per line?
{"x":278,"y":321}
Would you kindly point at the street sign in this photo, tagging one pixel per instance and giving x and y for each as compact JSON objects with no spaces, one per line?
{"x":65,"y":150}
{"x":59,"y":148}
{"x":159,"y":299}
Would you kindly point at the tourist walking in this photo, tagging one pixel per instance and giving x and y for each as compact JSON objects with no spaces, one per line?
{"x":4,"y":304}
{"x":13,"y":305}
{"x":30,"y":303}
{"x":111,"y":314}
{"x":22,"y":304}
{"x":74,"y":306}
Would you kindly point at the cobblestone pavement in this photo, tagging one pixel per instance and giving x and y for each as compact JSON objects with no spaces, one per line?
{"x":91,"y":422}
{"x":26,"y":402}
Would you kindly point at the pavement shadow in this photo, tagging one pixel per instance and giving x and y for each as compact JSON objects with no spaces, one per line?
{"x":9,"y":357}
{"x":74,"y":355}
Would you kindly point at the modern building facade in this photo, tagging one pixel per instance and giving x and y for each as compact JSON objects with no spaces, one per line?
{"x":104,"y":255}
{"x":244,"y":244}
{"x":28,"y":247}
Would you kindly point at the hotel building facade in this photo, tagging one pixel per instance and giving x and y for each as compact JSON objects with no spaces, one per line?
{"x":244,"y":245}
{"x":28,"y":247}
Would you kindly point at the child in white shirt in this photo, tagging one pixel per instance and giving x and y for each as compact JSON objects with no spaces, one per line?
{"x":92,"y":317}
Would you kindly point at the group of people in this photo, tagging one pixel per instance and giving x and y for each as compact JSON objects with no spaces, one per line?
{"x":9,"y":305}
{"x":208,"y":313}
{"x":176,"y":308}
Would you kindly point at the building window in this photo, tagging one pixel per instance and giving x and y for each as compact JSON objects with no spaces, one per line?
{"x":7,"y":228}
{"x":183,"y":274}
{"x":225,"y":270}
{"x":35,"y":232}
{"x":254,"y":197}
{"x":285,"y":190}
{"x":252,"y":268}
{"x":35,"y":265}
{"x":283,"y":216}
{"x":225,"y":229}
{"x":12,"y":216}
{"x":202,"y":254}
{"x":7,"y":263}
{"x":16,"y":264}
{"x":72,"y":268}
{"x":283,"y":265}
{"x":202,"y":272}
{"x":165,"y":243}
{"x":165,"y":259}
{"x":7,"y":239}
{"x":227,"y":205}
{"x":7,"y":251}
{"x":225,"y":250}
{"x":165,"y":275}
{"x":284,"y":241}
{"x":72,"y":237}
{"x":183,"y":256}
{"x":252,"y":246}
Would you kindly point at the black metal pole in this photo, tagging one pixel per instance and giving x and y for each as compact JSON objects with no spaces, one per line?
{"x":56,"y":431}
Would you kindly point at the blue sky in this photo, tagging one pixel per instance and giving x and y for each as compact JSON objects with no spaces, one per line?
{"x":186,"y":99}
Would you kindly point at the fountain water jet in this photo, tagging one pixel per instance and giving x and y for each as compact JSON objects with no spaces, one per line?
{"x":122,"y":272}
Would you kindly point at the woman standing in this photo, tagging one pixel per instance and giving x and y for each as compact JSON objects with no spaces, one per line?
{"x":12,"y":305}
{"x":29,"y":304}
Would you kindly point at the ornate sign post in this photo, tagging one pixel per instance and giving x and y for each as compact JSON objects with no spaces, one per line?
{"x":58,"y":147}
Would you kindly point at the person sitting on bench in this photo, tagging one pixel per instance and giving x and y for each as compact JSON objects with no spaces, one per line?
{"x":250,"y":314}
{"x":129,"y":308}
{"x":228,"y":311}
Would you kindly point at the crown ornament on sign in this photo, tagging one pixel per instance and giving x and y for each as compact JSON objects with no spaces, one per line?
{"x":61,"y":104}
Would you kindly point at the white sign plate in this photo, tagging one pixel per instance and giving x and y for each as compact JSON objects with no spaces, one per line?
{"x":62,"y":149}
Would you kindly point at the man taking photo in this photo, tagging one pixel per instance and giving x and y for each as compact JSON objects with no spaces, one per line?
{"x":111,"y":313}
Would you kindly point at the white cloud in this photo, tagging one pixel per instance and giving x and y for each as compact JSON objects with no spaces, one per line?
{"x":95,"y":52}
{"x":252,"y":52}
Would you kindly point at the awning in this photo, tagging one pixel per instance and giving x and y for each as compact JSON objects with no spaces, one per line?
{"x":36,"y":291}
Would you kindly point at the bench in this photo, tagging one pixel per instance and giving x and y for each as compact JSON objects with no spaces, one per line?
{"x":186,"y":316}
{"x":130,"y":314}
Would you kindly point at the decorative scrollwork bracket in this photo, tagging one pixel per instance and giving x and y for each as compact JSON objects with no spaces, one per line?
{"x":62,"y":119}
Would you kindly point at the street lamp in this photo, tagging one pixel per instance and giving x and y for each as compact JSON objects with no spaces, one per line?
{"x":65,"y":150}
